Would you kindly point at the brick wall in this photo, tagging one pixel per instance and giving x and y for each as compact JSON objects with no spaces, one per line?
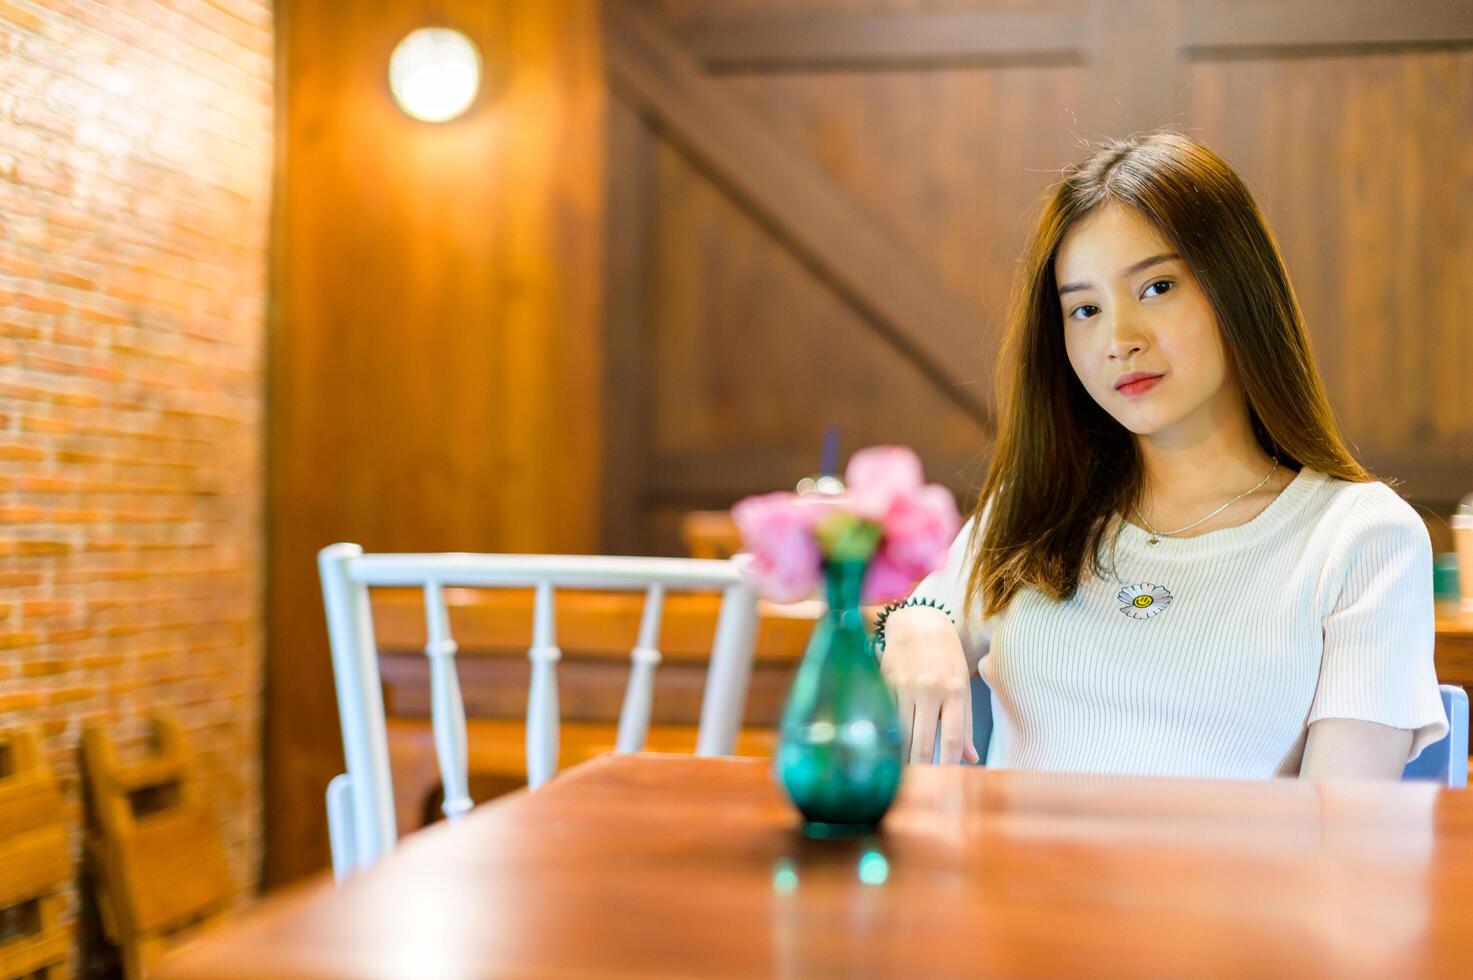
{"x":135,"y":175}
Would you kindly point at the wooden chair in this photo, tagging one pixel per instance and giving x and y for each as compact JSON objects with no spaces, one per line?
{"x":34,"y":864}
{"x":156,"y":849}
{"x":595,"y":631}
{"x":360,"y":802}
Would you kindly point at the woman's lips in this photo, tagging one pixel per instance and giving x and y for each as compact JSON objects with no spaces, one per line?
{"x":1139,"y":387}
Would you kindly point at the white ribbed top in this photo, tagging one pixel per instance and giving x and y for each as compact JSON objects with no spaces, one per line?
{"x":1318,"y":607}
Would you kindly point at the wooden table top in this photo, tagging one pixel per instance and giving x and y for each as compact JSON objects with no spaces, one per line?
{"x":665,"y":866}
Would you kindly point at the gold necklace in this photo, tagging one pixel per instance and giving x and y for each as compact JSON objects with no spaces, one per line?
{"x":1156,"y":535}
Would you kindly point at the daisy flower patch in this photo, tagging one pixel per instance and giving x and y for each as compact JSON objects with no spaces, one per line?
{"x":1144,"y":600}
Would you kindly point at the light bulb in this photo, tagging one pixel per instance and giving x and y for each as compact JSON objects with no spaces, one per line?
{"x":434,"y":73}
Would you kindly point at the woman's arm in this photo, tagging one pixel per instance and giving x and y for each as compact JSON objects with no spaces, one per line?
{"x":1377,"y":701}
{"x":927,"y":662}
{"x":1346,"y":748}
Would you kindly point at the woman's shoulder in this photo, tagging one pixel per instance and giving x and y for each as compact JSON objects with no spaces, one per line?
{"x":1361,"y":514}
{"x":1370,"y":500}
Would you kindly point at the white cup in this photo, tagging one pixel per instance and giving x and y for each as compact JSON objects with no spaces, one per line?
{"x":1463,"y":542}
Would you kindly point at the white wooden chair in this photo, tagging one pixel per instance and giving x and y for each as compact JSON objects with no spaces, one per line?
{"x":360,"y":811}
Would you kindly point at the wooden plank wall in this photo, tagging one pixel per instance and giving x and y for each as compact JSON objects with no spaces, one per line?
{"x":939,"y":124}
{"x":435,"y":369}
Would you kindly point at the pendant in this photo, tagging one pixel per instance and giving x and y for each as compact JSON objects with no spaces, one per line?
{"x":1152,"y":540}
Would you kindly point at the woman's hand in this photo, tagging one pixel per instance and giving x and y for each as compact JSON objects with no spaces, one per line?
{"x":926,"y":669}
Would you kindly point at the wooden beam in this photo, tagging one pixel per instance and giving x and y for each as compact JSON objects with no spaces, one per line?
{"x":1216,"y":27}
{"x":898,"y":295}
{"x":877,"y":40}
{"x":796,"y":42}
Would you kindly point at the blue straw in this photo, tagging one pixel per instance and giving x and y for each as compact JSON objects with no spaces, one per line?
{"x":830,"y":451}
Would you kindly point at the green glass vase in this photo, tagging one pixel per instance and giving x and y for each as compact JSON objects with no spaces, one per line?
{"x":839,"y":754}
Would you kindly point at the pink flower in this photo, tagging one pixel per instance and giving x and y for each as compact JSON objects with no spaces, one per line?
{"x":878,"y":476}
{"x":777,"y":529}
{"x":884,"y":580}
{"x":918,"y":533}
{"x":919,"y":530}
{"x":915,"y":524}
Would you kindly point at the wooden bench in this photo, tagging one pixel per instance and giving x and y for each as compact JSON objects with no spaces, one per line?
{"x":156,"y":848}
{"x":34,"y":863}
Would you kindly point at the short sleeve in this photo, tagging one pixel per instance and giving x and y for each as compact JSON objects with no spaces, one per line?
{"x":948,"y":586}
{"x":1378,"y":635}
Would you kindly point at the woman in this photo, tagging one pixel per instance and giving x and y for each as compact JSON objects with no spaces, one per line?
{"x":1175,"y":565}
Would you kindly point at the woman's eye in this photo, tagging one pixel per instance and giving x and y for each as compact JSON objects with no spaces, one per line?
{"x":1074,"y":314}
{"x":1165,"y":283}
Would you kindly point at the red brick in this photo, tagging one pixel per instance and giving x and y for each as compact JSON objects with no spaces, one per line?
{"x":42,"y":668}
{"x":17,"y":15}
{"x":46,"y":607}
{"x":18,"y":331}
{"x":41,"y":304}
{"x":21,"y":701}
{"x":21,"y":515}
{"x":41,"y":549}
{"x":76,"y":400}
{"x":68,"y":279}
{"x":34,"y":423}
{"x":69,"y":694}
{"x":100,"y":316}
{"x":68,"y":515}
{"x":19,"y":266}
{"x":51,"y":365}
{"x":45,"y":484}
{"x":23,"y":454}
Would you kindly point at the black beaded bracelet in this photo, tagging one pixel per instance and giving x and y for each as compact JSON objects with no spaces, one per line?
{"x":890,"y":607}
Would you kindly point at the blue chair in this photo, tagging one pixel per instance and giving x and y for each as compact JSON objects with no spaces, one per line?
{"x":1444,"y":761}
{"x":981,"y":715}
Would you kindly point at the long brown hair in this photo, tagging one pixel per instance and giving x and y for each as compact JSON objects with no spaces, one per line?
{"x":1061,"y":465}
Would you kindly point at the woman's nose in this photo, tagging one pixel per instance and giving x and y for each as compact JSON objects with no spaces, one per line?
{"x":1126,"y":340}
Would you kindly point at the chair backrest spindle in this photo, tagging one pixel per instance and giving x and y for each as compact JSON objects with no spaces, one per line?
{"x":639,"y":696}
{"x":447,"y":710}
{"x":542,"y":706}
{"x":730,"y":670}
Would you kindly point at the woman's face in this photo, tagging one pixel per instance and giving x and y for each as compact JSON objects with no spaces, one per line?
{"x":1133,"y":310}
